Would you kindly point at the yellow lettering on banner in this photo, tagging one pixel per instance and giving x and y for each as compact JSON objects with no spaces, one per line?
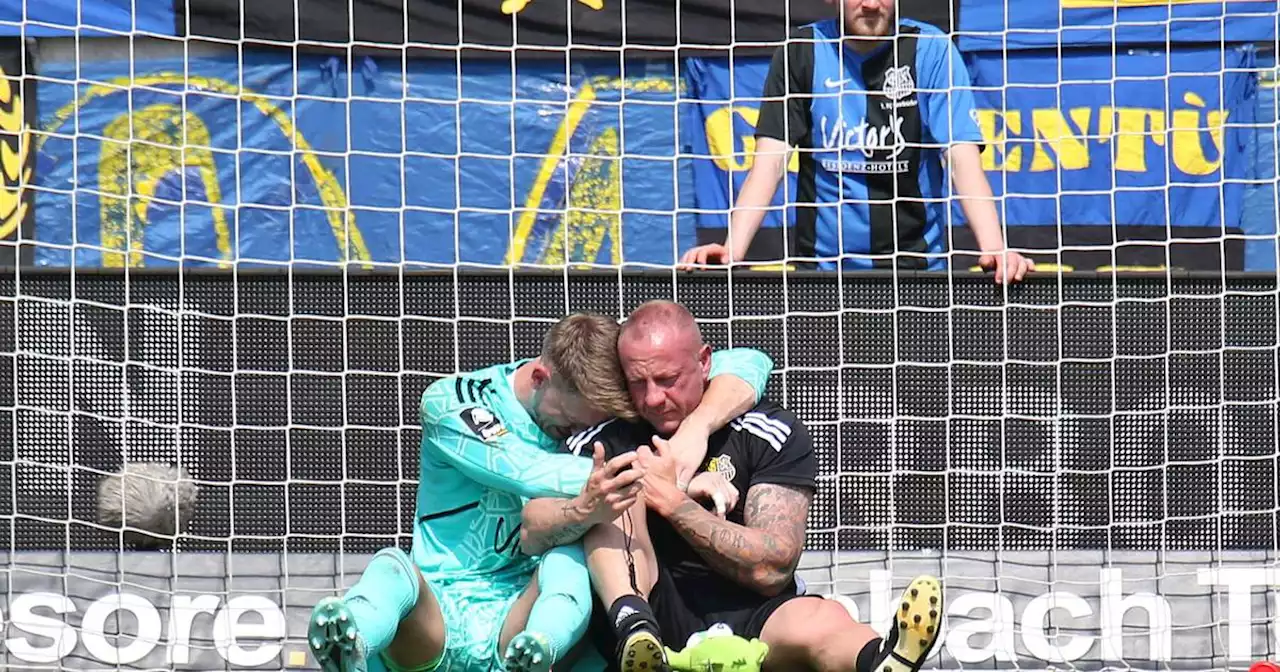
{"x":559,"y":146}
{"x":1134,"y":127}
{"x":722,"y":141}
{"x":350,"y":241}
{"x":633,"y":85}
{"x":999,"y":143}
{"x":138,"y":152}
{"x":1188,"y":148}
{"x":15,"y":141}
{"x":594,"y":197}
{"x":1062,"y":139}
{"x":1051,"y":127}
{"x":595,"y":207}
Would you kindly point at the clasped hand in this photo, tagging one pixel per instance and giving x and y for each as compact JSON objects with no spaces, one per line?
{"x":612,"y":487}
{"x":661,"y":467}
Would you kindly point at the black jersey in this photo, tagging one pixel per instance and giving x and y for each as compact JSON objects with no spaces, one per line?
{"x":767,"y":445}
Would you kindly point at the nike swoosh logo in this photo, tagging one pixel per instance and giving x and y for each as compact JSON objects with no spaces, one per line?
{"x":835,"y":83}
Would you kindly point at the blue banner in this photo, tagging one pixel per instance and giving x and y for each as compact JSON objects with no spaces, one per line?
{"x":1145,"y":139}
{"x":214,"y":161}
{"x":1148,"y":137}
{"x":86,"y":18}
{"x":1000,"y":25}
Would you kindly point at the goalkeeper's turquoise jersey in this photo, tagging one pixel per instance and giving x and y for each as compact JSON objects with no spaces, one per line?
{"x":483,"y":458}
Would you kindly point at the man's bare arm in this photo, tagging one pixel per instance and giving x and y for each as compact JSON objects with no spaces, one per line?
{"x":737,"y":381}
{"x":976,"y":198}
{"x":980,"y":209}
{"x":548,"y":522}
{"x":769,"y":165}
{"x":763,"y":554}
{"x":612,"y":487}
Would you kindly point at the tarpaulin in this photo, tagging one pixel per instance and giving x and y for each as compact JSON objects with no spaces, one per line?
{"x":147,"y":162}
{"x":86,"y":18}
{"x":1000,"y":25}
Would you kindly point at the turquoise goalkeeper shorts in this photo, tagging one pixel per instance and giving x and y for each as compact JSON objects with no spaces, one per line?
{"x":474,"y":612}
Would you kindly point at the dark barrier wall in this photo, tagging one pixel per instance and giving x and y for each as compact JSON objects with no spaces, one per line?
{"x":1077,"y":412}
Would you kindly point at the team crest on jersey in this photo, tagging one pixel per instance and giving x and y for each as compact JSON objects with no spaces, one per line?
{"x":898,"y":87}
{"x":722,"y":465}
{"x":898,"y":83}
{"x":483,"y":423}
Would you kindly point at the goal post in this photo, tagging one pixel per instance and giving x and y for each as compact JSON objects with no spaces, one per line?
{"x":245,"y":237}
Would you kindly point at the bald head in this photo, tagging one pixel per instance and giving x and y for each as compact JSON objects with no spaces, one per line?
{"x":666,"y":363}
{"x":663,"y":323}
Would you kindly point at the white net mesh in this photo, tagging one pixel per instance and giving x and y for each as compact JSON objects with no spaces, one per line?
{"x":1088,"y":460}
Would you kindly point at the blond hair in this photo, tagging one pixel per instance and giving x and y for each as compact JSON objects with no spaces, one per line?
{"x":582,"y":352}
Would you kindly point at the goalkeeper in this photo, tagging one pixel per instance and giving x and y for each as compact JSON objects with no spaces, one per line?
{"x":468,"y":599}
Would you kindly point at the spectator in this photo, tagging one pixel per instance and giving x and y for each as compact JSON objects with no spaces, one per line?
{"x":871,"y":186}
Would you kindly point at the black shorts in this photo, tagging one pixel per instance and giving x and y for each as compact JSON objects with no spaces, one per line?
{"x":677,"y":620}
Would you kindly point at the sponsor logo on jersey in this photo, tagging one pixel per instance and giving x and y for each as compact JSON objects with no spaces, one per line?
{"x":881,"y":145}
{"x":483,"y":423}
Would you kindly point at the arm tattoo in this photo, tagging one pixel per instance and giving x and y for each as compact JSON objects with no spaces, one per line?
{"x":764,"y":553}
{"x":566,"y":530}
{"x":558,"y":529}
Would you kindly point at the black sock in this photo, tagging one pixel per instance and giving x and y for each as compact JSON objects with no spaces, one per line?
{"x":630,"y":612}
{"x":870,"y":655}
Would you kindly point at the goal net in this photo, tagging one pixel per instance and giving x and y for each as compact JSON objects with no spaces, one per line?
{"x":240,"y":240}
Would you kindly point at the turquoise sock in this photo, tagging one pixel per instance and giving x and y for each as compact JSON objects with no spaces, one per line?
{"x":384,"y":596}
{"x":564,"y":599}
